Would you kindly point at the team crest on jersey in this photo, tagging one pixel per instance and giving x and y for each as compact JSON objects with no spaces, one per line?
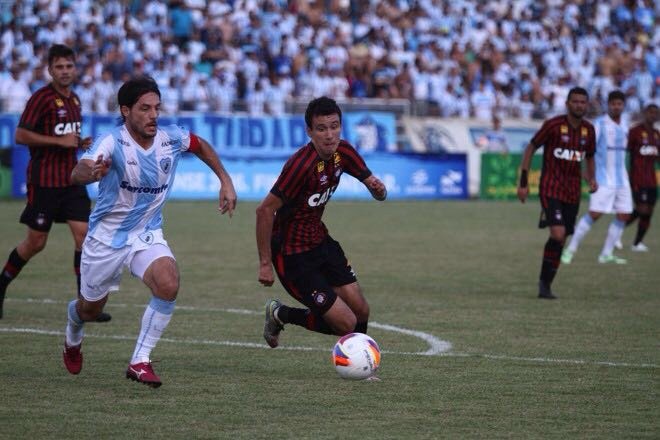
{"x":59,"y":102}
{"x":563,"y":129}
{"x":61,"y":112}
{"x":645,"y":137}
{"x":337,"y":158}
{"x":166,"y":164}
{"x":564,"y":138}
{"x":320,"y":167}
{"x":584,"y":132}
{"x":323,"y":179}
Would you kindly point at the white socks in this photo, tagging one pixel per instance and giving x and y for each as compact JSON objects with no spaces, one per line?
{"x":614,"y":233}
{"x":74,"y":326}
{"x":581,"y":230}
{"x":154,"y":321}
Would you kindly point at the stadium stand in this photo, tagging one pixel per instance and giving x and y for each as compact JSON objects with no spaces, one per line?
{"x":514,"y":58}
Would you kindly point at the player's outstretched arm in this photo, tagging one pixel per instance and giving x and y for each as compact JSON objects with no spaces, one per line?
{"x":265,"y":218}
{"x":88,"y":171}
{"x":376,"y":187}
{"x":227,"y":198}
{"x":523,"y":189}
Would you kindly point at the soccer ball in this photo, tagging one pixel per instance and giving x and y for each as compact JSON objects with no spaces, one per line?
{"x":356,"y":356}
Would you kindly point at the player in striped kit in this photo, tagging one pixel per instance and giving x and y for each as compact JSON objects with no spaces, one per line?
{"x":50,"y":126}
{"x":567,"y":141}
{"x":613,"y":195}
{"x":643,"y":145}
{"x":311,"y":265}
{"x":135,"y":165}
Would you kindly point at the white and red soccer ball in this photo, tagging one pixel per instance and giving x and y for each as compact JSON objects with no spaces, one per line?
{"x":356,"y":356}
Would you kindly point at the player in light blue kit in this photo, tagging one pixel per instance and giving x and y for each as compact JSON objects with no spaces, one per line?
{"x":613,"y":194}
{"x":135,"y":166}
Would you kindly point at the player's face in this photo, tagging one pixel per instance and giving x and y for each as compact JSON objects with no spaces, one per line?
{"x":142,"y":117}
{"x":63,"y":71}
{"x":577,"y":105}
{"x":325,"y":133}
{"x":615,"y":108}
{"x":651,"y":115}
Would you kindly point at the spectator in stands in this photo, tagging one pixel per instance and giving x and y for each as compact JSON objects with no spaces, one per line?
{"x":170,"y":97}
{"x":181,"y":22}
{"x":256,"y":100}
{"x":276,"y":97}
{"x":38,"y":79}
{"x":104,"y":90}
{"x":483,"y":102}
{"x":516,"y":49}
{"x":86,"y":94}
{"x":494,"y":139}
{"x":14,"y":91}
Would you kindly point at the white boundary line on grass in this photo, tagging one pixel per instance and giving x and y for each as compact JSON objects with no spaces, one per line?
{"x":437,"y":347}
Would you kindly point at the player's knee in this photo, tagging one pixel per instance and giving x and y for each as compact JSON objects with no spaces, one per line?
{"x":90,"y":311}
{"x":167,"y":287}
{"x":37,"y":243}
{"x":559,"y":236}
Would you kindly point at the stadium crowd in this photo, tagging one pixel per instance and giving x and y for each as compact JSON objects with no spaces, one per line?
{"x":514,"y":58}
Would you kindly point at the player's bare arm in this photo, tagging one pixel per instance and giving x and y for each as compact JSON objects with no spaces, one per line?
{"x":376,"y":187}
{"x":69,"y":140}
{"x":591,"y":174}
{"x":88,"y":171}
{"x":227,"y":196}
{"x":265,"y":218}
{"x":523,"y":189}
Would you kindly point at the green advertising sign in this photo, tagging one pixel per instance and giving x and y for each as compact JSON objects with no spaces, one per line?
{"x":499,"y":176}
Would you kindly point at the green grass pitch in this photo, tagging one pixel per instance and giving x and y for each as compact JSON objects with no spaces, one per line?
{"x":461,"y":273}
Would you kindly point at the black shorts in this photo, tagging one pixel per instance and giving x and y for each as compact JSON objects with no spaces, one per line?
{"x":310,"y":276}
{"x":48,"y":205}
{"x":554,"y":212}
{"x":646,"y":195}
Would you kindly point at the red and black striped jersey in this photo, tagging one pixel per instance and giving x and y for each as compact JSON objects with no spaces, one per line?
{"x":51,"y":114}
{"x":643,"y":145}
{"x":564,"y":149}
{"x":305,"y":186}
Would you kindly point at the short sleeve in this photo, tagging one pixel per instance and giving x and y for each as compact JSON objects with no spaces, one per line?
{"x":103,"y":145}
{"x":353,"y":162}
{"x":541,"y":136}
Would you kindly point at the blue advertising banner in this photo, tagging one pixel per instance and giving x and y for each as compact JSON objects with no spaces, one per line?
{"x":255,"y":149}
{"x":252,"y":137}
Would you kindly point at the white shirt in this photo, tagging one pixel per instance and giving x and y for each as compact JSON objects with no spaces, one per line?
{"x":133,"y":193}
{"x":14,"y":94}
{"x":611,"y":139}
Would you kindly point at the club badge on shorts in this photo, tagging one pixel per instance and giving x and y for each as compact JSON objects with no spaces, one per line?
{"x":147,"y":237}
{"x":319,"y":297}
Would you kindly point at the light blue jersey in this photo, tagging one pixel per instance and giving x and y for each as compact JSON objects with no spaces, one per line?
{"x":611,"y":140}
{"x":132,"y":194}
